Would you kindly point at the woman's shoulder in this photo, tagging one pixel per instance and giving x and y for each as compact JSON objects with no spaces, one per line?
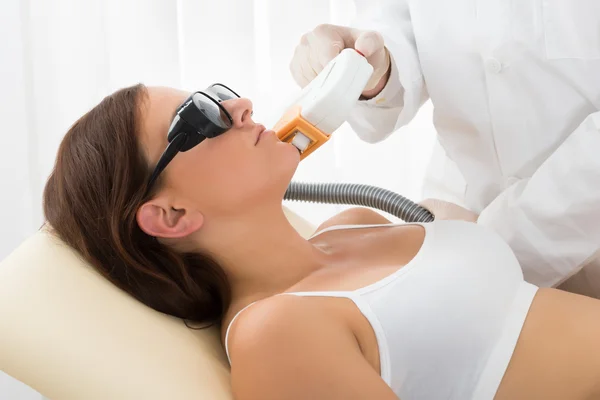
{"x":280,"y":344}
{"x":265,"y":321}
{"x":272,"y":324}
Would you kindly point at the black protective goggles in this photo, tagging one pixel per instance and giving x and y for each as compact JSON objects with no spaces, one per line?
{"x":200,"y":116}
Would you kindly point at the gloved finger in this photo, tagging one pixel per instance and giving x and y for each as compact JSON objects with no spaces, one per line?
{"x":369,"y":43}
{"x":296,"y":68}
{"x":313,"y":53}
{"x":328,"y":42}
{"x":349,"y":36}
{"x":322,"y":50}
{"x":307,"y":72}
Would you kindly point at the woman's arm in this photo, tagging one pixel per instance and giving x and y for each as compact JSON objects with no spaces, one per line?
{"x":288,"y":348}
{"x":355,"y":216}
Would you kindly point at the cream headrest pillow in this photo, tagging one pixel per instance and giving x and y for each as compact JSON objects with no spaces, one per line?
{"x":71,"y":335}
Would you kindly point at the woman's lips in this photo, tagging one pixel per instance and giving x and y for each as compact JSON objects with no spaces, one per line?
{"x":263,"y":132}
{"x":260,"y":129}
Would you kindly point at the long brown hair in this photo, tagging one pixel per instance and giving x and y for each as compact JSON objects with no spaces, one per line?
{"x":91,"y":199}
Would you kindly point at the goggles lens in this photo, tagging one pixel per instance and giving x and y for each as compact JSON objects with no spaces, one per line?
{"x":204,"y":112}
{"x":200,"y":116}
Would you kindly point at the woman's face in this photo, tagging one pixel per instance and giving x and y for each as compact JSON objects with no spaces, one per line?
{"x":244,"y":168}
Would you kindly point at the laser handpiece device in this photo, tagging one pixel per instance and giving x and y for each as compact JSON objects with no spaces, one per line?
{"x":319,"y":110}
{"x":325,"y":103}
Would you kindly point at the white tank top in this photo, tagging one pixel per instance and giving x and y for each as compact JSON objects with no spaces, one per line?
{"x":447,"y":322}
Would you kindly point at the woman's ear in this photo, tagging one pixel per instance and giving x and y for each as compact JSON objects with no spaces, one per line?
{"x":159,"y":219}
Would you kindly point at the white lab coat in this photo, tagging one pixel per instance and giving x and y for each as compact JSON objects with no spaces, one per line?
{"x":515,"y":86}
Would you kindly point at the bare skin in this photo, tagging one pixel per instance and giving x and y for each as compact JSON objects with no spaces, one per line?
{"x":557,"y":355}
{"x":224,"y":197}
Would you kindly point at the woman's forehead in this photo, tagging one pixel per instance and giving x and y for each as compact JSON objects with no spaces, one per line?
{"x":157,"y":112}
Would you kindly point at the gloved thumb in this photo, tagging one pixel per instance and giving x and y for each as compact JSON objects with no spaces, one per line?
{"x":368,"y":43}
{"x":371,"y":45}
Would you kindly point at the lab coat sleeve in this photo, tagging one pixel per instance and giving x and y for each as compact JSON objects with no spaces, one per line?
{"x":375,"y":119}
{"x":552,"y":219}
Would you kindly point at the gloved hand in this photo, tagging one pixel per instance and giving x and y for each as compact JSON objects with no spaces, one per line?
{"x":325,"y":42}
{"x":443,"y":210}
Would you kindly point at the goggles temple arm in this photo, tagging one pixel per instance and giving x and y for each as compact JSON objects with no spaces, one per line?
{"x":166,"y":157}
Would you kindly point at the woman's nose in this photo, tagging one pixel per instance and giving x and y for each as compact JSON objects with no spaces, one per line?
{"x":240,"y":111}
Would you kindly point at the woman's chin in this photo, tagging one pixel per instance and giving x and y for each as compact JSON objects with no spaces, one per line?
{"x":288,"y":161}
{"x":291,"y":152}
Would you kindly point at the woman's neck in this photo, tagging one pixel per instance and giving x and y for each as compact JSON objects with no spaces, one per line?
{"x":262,"y":253}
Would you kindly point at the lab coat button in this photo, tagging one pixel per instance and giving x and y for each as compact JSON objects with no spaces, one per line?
{"x":494,"y":66}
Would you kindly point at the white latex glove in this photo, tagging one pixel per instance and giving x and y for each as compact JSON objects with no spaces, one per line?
{"x":443,"y":210}
{"x":325,"y":42}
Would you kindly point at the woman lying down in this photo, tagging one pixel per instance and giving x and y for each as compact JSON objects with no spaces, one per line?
{"x":176,"y":198}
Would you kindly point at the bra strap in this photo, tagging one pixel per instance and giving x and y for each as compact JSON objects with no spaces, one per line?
{"x":229,"y":327}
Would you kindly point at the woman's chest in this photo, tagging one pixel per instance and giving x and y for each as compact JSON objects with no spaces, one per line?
{"x":361,"y":257}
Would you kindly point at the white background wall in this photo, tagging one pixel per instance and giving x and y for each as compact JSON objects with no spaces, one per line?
{"x":60,"y":57}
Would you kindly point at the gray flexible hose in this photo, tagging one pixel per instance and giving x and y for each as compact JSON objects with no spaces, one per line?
{"x":359,"y":195}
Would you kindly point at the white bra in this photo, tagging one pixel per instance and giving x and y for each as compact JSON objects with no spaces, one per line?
{"x":447,"y":322}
